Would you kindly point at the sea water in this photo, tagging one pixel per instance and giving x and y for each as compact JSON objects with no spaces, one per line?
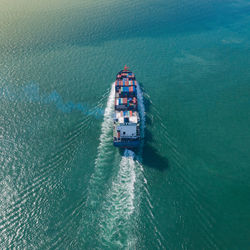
{"x":63,"y":184}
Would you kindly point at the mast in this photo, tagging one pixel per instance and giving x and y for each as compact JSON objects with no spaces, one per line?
{"x":126,"y":68}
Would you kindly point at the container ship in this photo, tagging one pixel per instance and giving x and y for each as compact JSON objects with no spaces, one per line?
{"x":126,"y":130}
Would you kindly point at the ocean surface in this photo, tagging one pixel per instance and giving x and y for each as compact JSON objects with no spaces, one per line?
{"x":62,"y":183}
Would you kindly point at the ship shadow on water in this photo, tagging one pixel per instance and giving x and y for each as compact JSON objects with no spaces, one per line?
{"x":150,"y":156}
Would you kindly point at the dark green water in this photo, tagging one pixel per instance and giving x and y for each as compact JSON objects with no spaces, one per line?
{"x":64,"y":186}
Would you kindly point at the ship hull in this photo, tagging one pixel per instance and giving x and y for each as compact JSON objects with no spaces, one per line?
{"x":126,"y":130}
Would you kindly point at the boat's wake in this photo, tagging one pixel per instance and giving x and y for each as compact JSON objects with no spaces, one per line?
{"x":119,"y":205}
{"x":114,"y":196}
{"x":103,"y":149}
{"x":121,"y":208}
{"x":98,"y":179}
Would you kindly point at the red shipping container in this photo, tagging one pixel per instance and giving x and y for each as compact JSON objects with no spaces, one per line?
{"x":125,"y":100}
{"x":130,"y":113}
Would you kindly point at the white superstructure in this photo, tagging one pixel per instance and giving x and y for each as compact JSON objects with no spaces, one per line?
{"x":126,"y":123}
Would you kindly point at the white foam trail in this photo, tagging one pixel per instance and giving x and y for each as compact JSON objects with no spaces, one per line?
{"x":106,"y":125}
{"x":97,"y":182}
{"x":141,"y":174}
{"x":119,"y":205}
{"x":105,"y":137}
{"x":122,"y":200}
{"x":141,"y":109}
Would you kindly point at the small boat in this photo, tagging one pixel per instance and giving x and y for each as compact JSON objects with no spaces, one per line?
{"x":126,"y":130}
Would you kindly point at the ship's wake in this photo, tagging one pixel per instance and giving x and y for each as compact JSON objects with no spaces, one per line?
{"x":121,"y":206}
{"x":116,"y":189}
{"x":104,"y":153}
{"x":100,"y":175}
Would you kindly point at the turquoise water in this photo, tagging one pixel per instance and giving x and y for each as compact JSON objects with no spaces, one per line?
{"x":63,"y":185}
